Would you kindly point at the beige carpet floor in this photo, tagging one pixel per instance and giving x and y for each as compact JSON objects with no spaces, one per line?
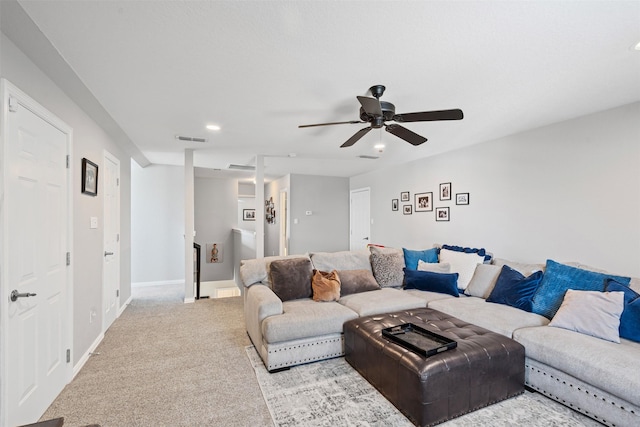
{"x":165,"y":363}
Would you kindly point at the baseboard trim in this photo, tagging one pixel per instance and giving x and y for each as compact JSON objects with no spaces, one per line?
{"x":157,"y":283}
{"x":85,"y":357}
{"x":189,"y":300}
{"x":124,"y":306}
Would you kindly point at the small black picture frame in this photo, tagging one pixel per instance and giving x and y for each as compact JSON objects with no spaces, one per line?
{"x":248,"y":214}
{"x":394,"y":204}
{"x":445,"y":191}
{"x":462,"y":198}
{"x":407,"y":209}
{"x":442,"y":214}
{"x":89,"y":177}
{"x":405,"y":196}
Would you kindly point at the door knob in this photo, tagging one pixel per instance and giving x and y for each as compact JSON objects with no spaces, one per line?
{"x":15,"y":295}
{"x":107,"y":253}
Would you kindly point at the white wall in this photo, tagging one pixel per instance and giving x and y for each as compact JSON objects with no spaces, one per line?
{"x":89,"y":140}
{"x":216,"y":215}
{"x":157,"y":223}
{"x":569,"y":192}
{"x":327,"y":229}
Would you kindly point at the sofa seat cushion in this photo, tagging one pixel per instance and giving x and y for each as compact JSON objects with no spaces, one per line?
{"x":603,"y":364}
{"x":499,"y":318}
{"x":383,"y":300}
{"x":305,"y":318}
{"x":428,"y":296}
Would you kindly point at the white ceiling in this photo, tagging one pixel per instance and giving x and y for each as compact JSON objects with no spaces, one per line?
{"x":259,"y":69}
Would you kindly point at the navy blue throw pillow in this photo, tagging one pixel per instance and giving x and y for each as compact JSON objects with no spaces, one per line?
{"x":515,"y":290}
{"x":444,"y":283}
{"x":481,"y":251}
{"x":630,"y":318}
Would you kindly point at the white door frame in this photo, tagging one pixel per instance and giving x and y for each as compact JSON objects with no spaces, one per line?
{"x":8,"y":90}
{"x":284,"y":222}
{"x":117,"y":258}
{"x":351,"y":216}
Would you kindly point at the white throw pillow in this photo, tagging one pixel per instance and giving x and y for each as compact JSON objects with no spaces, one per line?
{"x":592,"y":313}
{"x":435,"y":267}
{"x":483,"y":281}
{"x":462,"y":263}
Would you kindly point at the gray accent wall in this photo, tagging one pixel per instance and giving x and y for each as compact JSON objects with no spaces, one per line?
{"x":89,"y":140}
{"x":569,"y":192}
{"x":327,"y":228}
{"x":157,"y":223}
{"x":215,"y":217}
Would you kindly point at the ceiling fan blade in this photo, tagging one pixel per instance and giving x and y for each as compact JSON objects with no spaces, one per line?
{"x":404,"y":133}
{"x":371,"y":106}
{"x":331,"y":123}
{"x":428,"y":116}
{"x":356,"y":137}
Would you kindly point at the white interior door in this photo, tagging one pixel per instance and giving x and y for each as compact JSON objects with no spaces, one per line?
{"x":36,"y":235}
{"x":360,"y":219}
{"x":111,"y":259}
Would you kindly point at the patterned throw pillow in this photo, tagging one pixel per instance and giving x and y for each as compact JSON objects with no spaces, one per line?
{"x":387,"y":265}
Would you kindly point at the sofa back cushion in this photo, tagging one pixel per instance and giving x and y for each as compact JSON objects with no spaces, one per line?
{"x":356,"y":281}
{"x":343,"y":260}
{"x":291,"y":278}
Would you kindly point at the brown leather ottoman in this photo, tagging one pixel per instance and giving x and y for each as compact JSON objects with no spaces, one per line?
{"x":485,"y":368}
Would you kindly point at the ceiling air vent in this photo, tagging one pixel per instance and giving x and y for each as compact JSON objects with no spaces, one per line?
{"x":241,"y":167}
{"x":190,"y":138}
{"x":368,"y":157}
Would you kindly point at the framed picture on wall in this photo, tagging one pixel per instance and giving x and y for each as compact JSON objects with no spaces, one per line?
{"x":404,"y":196}
{"x":394,"y":204}
{"x":214,"y":253}
{"x":445,"y":191}
{"x":248,"y":214}
{"x":407,"y":209}
{"x":423,"y":202}
{"x":462,"y":199}
{"x":89,"y":177}
{"x":442,"y":214}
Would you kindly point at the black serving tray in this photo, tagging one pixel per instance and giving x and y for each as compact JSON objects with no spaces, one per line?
{"x":419,"y":340}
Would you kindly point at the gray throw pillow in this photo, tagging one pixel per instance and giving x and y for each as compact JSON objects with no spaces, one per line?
{"x":356,"y":281}
{"x":483,"y":281}
{"x":291,"y":278}
{"x":388,"y":268}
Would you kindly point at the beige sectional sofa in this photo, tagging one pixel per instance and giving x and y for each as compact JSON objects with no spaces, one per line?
{"x":596,"y":377}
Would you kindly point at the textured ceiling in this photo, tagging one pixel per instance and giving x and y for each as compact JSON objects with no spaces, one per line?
{"x":259,"y":69}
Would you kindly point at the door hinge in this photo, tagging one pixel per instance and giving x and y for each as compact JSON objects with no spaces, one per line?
{"x":68,"y":355}
{"x":13,"y":104}
{"x":68,"y":161}
{"x":117,"y":181}
{"x":118,"y":237}
{"x":117,"y":292}
{"x":68,"y":258}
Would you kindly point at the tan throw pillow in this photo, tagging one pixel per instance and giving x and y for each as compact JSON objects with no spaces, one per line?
{"x":326,"y":286}
{"x":291,"y":278}
{"x":356,"y":281}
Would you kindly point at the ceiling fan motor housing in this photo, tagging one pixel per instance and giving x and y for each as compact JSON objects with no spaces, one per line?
{"x":388,"y":111}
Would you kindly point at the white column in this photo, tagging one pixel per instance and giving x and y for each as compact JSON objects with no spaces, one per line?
{"x":260,"y":211}
{"x":189,"y":225}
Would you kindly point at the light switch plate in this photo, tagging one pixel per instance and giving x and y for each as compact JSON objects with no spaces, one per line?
{"x":94,"y":222}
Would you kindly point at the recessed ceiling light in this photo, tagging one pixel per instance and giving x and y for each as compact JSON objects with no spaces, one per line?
{"x":213,"y":127}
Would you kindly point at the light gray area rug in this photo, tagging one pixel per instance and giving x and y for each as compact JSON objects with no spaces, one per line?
{"x":332,"y":393}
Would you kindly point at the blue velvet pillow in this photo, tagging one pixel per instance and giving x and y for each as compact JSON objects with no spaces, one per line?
{"x":560,"y":277}
{"x":481,"y":252}
{"x":515,"y":290}
{"x":411,"y":258}
{"x":444,"y":283}
{"x":630,"y":318}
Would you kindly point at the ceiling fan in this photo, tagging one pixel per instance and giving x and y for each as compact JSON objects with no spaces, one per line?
{"x":377,"y":113}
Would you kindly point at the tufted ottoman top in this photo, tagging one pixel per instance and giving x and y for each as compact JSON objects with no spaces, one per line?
{"x":485,"y":368}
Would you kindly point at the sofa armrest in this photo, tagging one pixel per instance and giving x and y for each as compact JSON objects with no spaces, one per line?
{"x":260,"y":302}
